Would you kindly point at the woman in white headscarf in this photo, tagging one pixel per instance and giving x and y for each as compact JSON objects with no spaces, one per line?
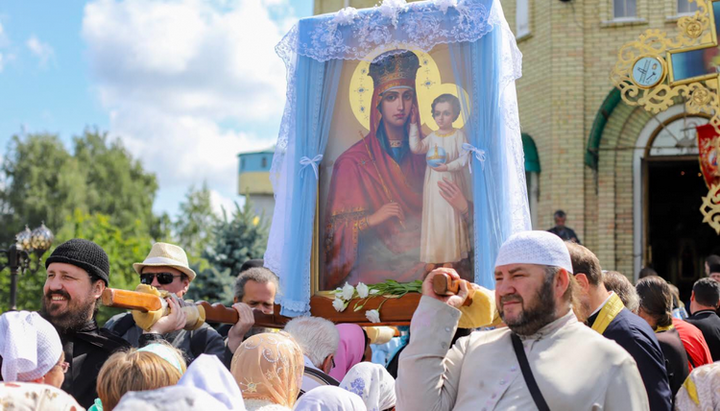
{"x":373,"y":384}
{"x":30,"y":349}
{"x":329,"y":398}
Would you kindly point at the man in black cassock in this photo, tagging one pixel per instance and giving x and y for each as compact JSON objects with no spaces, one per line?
{"x":77,"y":273}
{"x":607,"y":315}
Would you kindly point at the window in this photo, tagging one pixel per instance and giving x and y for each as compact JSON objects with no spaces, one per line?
{"x":522,"y":19}
{"x":685,"y":7}
{"x":242,"y":164}
{"x":264,"y":163}
{"x":624,"y":9}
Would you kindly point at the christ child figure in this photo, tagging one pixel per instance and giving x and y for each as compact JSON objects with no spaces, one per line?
{"x":444,"y":234}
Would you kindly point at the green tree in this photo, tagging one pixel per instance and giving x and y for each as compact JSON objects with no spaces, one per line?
{"x":195,"y":224}
{"x":116,"y":183}
{"x":235,"y":241}
{"x":41,"y":181}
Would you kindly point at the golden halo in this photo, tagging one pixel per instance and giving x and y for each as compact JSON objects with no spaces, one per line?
{"x":428,"y":85}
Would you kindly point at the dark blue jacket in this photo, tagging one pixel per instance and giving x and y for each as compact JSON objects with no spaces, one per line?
{"x":637,"y":338}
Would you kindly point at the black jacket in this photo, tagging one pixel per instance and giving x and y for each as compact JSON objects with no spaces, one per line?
{"x":86,"y":350}
{"x":709,"y":323}
{"x":676,"y":358}
{"x":638,"y":339}
{"x":566,"y":233}
{"x":204,"y":340}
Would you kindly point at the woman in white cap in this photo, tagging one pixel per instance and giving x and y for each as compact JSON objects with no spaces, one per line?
{"x":30,"y":349}
{"x":33,"y":364}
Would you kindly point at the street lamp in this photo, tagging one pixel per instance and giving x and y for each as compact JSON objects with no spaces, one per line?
{"x":37,"y":242}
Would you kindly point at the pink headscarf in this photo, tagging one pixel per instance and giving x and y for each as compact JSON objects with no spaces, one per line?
{"x":351,"y":349}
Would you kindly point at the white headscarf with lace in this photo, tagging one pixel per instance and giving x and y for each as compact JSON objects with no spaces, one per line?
{"x":29,"y":346}
{"x":373,"y":384}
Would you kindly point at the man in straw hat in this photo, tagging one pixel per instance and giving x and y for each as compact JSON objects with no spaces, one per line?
{"x":77,"y":273}
{"x":572,"y":366}
{"x":166,"y":268}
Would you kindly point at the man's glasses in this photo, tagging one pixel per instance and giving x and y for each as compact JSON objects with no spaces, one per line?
{"x":162,"y":278}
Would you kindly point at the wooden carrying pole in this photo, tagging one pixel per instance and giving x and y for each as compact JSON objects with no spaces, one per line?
{"x":214,"y":313}
{"x":444,"y":285}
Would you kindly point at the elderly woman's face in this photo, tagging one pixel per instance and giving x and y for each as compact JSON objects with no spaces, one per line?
{"x":395,"y":106}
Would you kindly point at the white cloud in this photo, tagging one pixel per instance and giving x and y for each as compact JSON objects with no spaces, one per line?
{"x":219,"y":202}
{"x":172,"y":73}
{"x":43,"y":51}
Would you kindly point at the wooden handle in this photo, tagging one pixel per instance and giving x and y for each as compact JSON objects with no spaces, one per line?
{"x":218,"y":313}
{"x":444,"y":285}
{"x":131,"y":300}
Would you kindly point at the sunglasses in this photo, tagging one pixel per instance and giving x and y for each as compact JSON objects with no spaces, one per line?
{"x":162,"y":278}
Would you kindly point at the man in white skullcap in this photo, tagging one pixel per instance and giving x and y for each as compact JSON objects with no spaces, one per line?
{"x":30,"y":349}
{"x":567,"y":366}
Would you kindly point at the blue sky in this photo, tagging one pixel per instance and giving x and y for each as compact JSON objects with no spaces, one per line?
{"x":185,"y":84}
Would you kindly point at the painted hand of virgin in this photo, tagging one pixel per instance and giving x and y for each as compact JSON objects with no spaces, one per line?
{"x":453,"y":195}
{"x":386,"y":212}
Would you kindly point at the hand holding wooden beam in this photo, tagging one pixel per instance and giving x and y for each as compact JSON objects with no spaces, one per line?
{"x":216,"y":313}
{"x":444,"y":285}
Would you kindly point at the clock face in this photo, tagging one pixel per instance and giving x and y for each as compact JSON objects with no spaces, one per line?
{"x":648,"y":72}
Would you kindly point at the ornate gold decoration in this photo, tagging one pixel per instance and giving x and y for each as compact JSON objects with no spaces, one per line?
{"x":697,"y":32}
{"x":710,"y":208}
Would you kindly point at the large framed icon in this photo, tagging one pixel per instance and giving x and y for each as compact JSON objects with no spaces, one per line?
{"x":399,"y":151}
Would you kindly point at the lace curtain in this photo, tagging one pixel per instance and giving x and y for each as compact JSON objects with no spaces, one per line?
{"x":485,"y":62}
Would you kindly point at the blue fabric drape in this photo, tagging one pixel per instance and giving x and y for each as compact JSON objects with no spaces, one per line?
{"x":476,"y":68}
{"x":315,"y":90}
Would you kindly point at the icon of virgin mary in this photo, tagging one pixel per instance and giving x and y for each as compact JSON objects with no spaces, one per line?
{"x":374,"y":205}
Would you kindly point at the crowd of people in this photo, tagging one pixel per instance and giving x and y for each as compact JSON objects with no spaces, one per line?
{"x":568,"y":335}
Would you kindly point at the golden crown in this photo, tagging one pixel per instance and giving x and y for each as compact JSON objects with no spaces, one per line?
{"x":398,"y":67}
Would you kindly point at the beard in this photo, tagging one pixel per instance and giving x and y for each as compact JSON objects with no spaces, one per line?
{"x":539,"y":312}
{"x":73,"y":317}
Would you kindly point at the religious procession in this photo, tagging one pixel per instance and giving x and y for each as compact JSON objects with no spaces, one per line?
{"x":399,"y":239}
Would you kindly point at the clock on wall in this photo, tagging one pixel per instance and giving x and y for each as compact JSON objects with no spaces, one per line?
{"x":648,"y":71}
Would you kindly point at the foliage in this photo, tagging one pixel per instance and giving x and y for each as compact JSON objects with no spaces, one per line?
{"x":196,"y":222}
{"x":42,"y":181}
{"x":238,"y":240}
{"x":235,"y":241}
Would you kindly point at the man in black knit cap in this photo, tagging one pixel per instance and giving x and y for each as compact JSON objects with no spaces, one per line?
{"x":77,"y":274}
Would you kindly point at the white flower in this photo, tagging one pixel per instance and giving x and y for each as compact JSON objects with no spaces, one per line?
{"x":348,"y":291}
{"x":374,"y":291}
{"x":345,"y":16}
{"x":373,"y":316}
{"x":339,"y":305}
{"x":362,"y":290}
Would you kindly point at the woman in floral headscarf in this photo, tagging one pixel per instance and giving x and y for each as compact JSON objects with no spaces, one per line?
{"x":268,"y":368}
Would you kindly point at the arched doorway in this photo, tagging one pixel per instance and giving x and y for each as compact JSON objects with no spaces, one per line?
{"x":669,"y":187}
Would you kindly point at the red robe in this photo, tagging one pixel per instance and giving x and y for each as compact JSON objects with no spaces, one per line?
{"x":357,"y":190}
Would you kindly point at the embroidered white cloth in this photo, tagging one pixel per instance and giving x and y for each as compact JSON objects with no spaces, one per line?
{"x":329,"y":398}
{"x":29,"y":346}
{"x":373,"y":384}
{"x":535,"y":247}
